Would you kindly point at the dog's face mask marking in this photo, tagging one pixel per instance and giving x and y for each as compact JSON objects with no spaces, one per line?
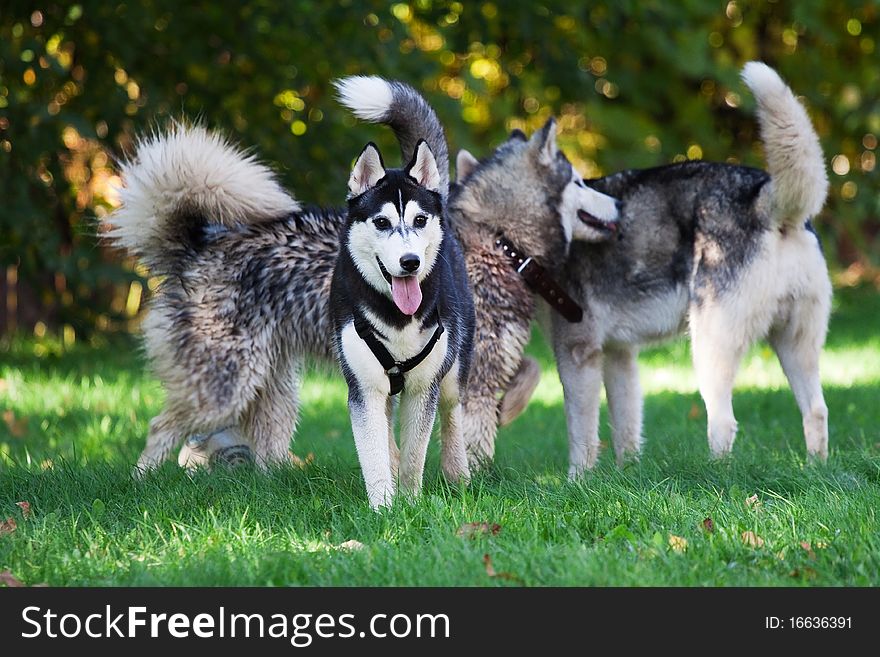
{"x":394,"y":230}
{"x":586,"y":214}
{"x":529,"y":191}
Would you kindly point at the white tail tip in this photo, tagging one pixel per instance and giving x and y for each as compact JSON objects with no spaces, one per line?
{"x":794,"y":155}
{"x":368,"y":96}
{"x":761,"y":79}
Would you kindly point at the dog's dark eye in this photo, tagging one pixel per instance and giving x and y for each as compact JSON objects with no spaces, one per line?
{"x":420,"y":221}
{"x":381,"y":223}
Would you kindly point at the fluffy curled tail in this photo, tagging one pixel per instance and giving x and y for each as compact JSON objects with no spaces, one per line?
{"x":799,"y":183}
{"x":401,"y":107}
{"x":184,"y":177}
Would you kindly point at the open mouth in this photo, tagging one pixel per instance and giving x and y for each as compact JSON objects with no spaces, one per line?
{"x":406,"y":293}
{"x":605,"y":227}
{"x":384,"y":271}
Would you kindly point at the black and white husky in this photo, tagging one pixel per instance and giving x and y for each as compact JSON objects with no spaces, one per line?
{"x":403,"y":320}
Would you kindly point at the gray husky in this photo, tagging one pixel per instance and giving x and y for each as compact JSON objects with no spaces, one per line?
{"x":245,"y":275}
{"x":726,"y":250}
{"x":245,"y":297}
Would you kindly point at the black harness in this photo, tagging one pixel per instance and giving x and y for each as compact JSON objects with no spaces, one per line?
{"x":539,"y":281}
{"x":394,"y":369}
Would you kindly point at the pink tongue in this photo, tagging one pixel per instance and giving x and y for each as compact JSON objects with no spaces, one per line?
{"x":406,"y":293}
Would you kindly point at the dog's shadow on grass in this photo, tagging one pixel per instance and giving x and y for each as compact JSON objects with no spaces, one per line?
{"x":769,"y":452}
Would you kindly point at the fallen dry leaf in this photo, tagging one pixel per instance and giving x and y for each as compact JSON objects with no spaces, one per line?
{"x":677,"y":543}
{"x":302,"y":463}
{"x":351,"y":545}
{"x":808,"y":573}
{"x":753,"y":502}
{"x":708,"y":525}
{"x":10,"y":580}
{"x":809,"y":548}
{"x":472,"y":529}
{"x":752,"y":539}
{"x":491,"y":572}
{"x":17,"y":426}
{"x":7,"y":526}
{"x":490,"y":569}
{"x":695,"y":412}
{"x":4,"y":385}
{"x":25,"y":509}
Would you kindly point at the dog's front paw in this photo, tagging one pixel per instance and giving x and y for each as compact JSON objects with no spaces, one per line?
{"x":381,"y":495}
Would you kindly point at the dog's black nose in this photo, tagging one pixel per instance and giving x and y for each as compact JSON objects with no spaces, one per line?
{"x":410,"y":262}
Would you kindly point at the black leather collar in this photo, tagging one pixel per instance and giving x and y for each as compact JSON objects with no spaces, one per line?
{"x":394,"y":370}
{"x":539,"y":281}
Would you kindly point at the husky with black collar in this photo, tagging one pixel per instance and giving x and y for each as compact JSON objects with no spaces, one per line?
{"x":403,"y":321}
{"x":725,"y":251}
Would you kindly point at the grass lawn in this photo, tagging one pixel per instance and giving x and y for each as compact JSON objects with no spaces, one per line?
{"x":74,"y":421}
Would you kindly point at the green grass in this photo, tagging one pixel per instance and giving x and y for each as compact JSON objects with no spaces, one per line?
{"x":75,"y":421}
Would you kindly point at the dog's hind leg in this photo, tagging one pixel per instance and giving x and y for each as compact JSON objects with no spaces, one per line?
{"x":580,"y":369}
{"x":798,"y":345}
{"x":718,"y":345}
{"x":167,"y":432}
{"x":418,"y":409}
{"x":271,"y":417}
{"x":502,"y":335}
{"x":453,"y":455}
{"x":621,"y":373}
{"x":480,"y":424}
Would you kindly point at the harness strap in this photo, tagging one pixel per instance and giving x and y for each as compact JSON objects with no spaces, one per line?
{"x":393,"y":368}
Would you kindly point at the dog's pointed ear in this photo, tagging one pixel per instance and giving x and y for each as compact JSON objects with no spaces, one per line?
{"x":367,"y":171}
{"x":517,"y":135}
{"x":423,"y":167}
{"x":545,"y":141}
{"x":465,"y":163}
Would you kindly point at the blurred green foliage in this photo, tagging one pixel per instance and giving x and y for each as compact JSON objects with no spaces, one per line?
{"x":635,"y":83}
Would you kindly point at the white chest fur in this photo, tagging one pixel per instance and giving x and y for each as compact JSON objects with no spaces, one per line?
{"x":402,"y":344}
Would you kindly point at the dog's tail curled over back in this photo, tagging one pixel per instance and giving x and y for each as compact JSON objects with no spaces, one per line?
{"x":185,"y":177}
{"x":401,"y":107}
{"x":799,"y":182}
